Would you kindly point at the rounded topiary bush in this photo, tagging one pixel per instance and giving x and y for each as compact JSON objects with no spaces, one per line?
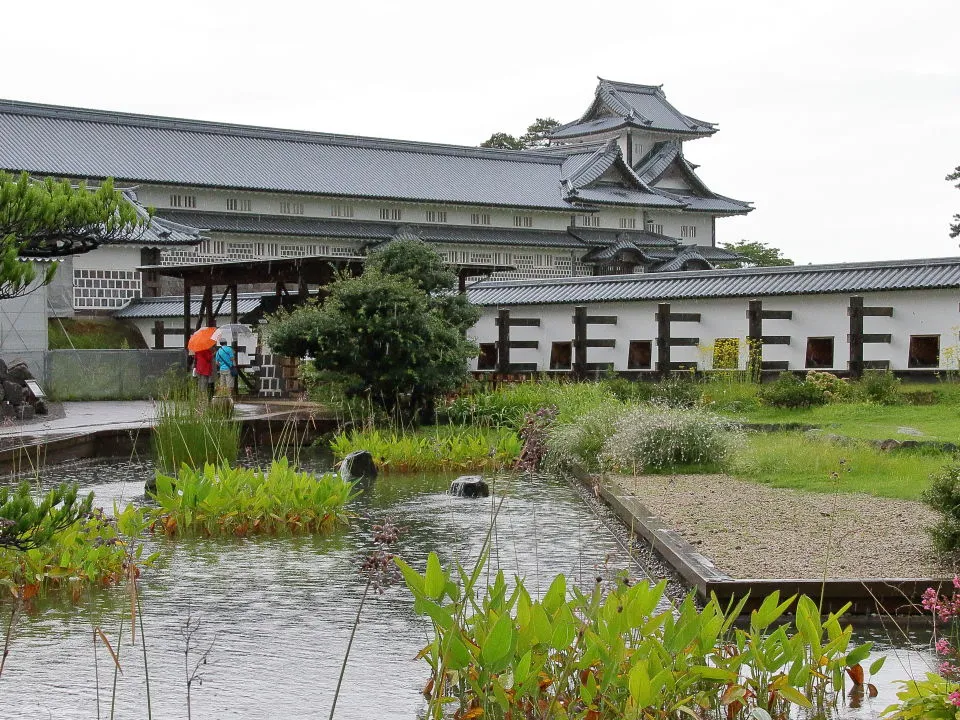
{"x":659,"y":437}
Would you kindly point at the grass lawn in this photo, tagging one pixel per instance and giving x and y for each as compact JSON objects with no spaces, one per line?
{"x":92,"y":333}
{"x":790,"y":460}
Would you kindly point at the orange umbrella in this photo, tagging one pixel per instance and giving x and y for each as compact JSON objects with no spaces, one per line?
{"x":202,"y":339}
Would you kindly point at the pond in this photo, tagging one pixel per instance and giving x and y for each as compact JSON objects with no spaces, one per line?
{"x":276,"y":613}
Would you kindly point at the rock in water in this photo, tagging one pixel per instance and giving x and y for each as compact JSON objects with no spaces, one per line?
{"x":470,"y":486}
{"x":358,"y":465}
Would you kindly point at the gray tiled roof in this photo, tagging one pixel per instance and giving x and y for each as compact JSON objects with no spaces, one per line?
{"x":75,"y":142}
{"x":172,"y":306}
{"x":684,"y":258}
{"x":370,"y":230}
{"x":643,"y":106}
{"x":752,"y":282}
{"x":159,"y":230}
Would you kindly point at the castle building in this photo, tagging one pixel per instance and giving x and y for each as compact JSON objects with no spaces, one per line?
{"x":611,"y":193}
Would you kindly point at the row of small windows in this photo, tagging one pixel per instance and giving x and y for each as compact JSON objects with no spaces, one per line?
{"x":923,"y":352}
{"x":432,"y":216}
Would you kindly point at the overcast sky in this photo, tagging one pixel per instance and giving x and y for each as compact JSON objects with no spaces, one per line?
{"x":839,"y":120}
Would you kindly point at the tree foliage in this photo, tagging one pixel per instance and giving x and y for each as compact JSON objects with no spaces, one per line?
{"x":49,"y":218}
{"x":396,"y":334}
{"x":955,"y":226}
{"x":26,"y":523}
{"x":536,"y":136}
{"x":755,"y":254}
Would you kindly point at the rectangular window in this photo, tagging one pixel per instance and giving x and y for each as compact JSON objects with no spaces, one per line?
{"x":561,"y":356}
{"x":640,"y":354}
{"x":655,"y":227}
{"x":480,"y":218}
{"x":924,"y":351}
{"x":239,"y":204}
{"x":819,"y":352}
{"x":435,"y":216}
{"x":390,"y":213}
{"x":523,"y":220}
{"x":637,"y":150}
{"x":726,"y":354}
{"x":588,"y":220}
{"x":341,"y":211}
{"x":628,"y":223}
{"x":184,"y":201}
{"x":688,"y":231}
{"x":291,"y":208}
{"x":488,"y":356}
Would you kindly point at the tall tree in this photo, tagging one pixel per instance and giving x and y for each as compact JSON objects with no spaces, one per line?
{"x":955,"y":226}
{"x":396,"y":334}
{"x":538,"y":133}
{"x":503,"y":141}
{"x":47,"y":218}
{"x":754,"y":254}
{"x":536,"y":136}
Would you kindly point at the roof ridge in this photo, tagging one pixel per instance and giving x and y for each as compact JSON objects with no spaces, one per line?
{"x":214,"y":127}
{"x":727,"y":272}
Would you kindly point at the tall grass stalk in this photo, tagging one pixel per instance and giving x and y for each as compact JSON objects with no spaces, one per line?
{"x":191,"y":431}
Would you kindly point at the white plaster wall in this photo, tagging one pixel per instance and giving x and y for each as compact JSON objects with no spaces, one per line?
{"x":672,"y":221}
{"x":23,"y":324}
{"x":921,"y":312}
{"x":109,"y":257}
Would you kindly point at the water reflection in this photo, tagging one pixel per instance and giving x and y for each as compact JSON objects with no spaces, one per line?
{"x":279,"y":611}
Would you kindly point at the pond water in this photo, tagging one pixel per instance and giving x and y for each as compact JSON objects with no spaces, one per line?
{"x":277,"y":613}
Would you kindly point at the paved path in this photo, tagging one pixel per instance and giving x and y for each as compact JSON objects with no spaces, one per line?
{"x":84,"y":417}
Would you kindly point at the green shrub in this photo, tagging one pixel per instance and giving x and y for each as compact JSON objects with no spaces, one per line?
{"x":679,"y":392}
{"x":789,"y":391}
{"x":581,"y":442}
{"x":224,"y":500}
{"x":660,"y":437}
{"x":943,"y":495}
{"x":834,"y":389}
{"x":881,"y":387}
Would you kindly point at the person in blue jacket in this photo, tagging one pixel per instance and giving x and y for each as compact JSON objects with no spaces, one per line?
{"x":227,"y":364}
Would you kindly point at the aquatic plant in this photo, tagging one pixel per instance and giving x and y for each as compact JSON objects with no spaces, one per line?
{"x":445,"y":447}
{"x":937,"y":695}
{"x":192,"y":431}
{"x":94,"y":550}
{"x":226,"y":500}
{"x":615,"y":651}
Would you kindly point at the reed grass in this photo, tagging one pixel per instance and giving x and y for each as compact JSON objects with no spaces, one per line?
{"x":444,"y":447}
{"x":224,"y":500}
{"x":190,"y":431}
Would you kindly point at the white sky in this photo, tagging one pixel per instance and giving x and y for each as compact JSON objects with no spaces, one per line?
{"x":839,"y":120}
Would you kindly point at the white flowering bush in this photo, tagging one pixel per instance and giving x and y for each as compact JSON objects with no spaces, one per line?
{"x":659,"y":437}
{"x":581,"y":441}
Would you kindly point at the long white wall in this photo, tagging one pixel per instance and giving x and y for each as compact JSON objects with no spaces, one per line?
{"x":918,"y":312}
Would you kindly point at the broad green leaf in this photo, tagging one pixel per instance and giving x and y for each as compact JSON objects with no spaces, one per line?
{"x":435,"y":581}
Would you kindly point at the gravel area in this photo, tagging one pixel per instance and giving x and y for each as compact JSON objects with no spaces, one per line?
{"x":755,"y":531}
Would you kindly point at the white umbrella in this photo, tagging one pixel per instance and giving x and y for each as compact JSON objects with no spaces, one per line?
{"x":231,"y":332}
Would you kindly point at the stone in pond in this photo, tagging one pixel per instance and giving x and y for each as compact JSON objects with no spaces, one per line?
{"x":470,"y":486}
{"x":358,"y":465}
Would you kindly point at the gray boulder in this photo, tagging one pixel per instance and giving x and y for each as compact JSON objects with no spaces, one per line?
{"x":357,"y":466}
{"x":470,"y":486}
{"x":12,"y":392}
{"x":18,"y":372}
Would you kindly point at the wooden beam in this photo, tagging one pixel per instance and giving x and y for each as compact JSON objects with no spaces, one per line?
{"x":522,"y":367}
{"x":599,"y":367}
{"x":186,"y":315}
{"x":878,"y":311}
{"x":158,"y":333}
{"x":503,"y":341}
{"x":684,"y":342}
{"x":855,"y":337}
{"x":525,"y":344}
{"x":684,"y":317}
{"x":775,"y":339}
{"x":777,"y":315}
{"x":774,"y":365}
{"x":518,"y":322}
{"x":870,"y":338}
{"x":663,"y":338}
{"x":601,"y":319}
{"x":607,"y":343}
{"x":579,"y":340}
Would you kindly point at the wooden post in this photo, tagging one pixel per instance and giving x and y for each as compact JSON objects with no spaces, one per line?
{"x":503,"y":341}
{"x":855,"y":340}
{"x":579,"y":342}
{"x":186,"y":315}
{"x":663,"y":339}
{"x":755,"y":339}
{"x":208,"y":304}
{"x":234,"y":318}
{"x":158,"y":335}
